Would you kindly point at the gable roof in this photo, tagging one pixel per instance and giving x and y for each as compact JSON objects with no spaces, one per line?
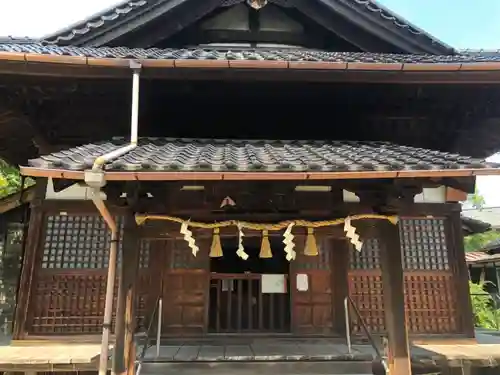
{"x":106,"y":26}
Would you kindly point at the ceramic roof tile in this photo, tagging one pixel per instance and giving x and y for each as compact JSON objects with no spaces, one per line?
{"x":245,"y":54}
{"x":169,"y":154}
{"x":106,"y":17}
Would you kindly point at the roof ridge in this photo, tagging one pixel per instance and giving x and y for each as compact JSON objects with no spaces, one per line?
{"x":102,"y":16}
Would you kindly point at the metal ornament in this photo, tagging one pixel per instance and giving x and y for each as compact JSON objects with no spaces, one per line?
{"x":257,"y":4}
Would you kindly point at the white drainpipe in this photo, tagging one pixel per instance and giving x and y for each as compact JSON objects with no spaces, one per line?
{"x":96,"y":180}
{"x":134,"y":123}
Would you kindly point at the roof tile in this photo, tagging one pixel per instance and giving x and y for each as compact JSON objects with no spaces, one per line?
{"x":105,"y":17}
{"x":172,"y":154}
{"x":291,"y":55}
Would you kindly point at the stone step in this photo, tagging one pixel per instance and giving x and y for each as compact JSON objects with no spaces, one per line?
{"x":258,"y":368}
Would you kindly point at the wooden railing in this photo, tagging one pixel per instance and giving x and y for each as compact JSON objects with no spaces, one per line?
{"x":237,"y":305}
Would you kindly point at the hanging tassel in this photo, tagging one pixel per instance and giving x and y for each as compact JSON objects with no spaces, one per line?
{"x":311,"y":249}
{"x":265,"y":248}
{"x":216,"y":248}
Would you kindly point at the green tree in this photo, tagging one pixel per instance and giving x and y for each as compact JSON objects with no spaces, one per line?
{"x":10,"y":179}
{"x":476,"y":200}
{"x":476,"y":242}
{"x":483,"y":306}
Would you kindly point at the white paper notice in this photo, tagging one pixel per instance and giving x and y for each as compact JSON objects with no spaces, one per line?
{"x":273,"y":284}
{"x":302,"y":282}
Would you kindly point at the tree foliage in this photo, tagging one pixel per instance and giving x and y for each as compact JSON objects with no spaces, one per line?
{"x":10,"y":179}
{"x":477,"y":241}
{"x":476,"y":200}
{"x":485,"y":310}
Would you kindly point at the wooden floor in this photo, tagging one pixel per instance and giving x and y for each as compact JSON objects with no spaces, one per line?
{"x":49,"y":356}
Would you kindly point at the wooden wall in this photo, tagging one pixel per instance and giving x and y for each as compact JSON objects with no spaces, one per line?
{"x":431,"y":292}
{"x":69,"y":279}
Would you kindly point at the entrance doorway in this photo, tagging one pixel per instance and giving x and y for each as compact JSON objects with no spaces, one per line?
{"x":249,"y":296}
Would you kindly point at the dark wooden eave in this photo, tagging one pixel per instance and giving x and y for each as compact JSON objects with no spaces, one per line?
{"x":373,"y":23}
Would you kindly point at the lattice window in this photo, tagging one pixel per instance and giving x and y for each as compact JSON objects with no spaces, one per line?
{"x":365,"y":288}
{"x":144,"y":254}
{"x":68,"y":304}
{"x":424,"y":244}
{"x":431,"y":303}
{"x":182,"y":258}
{"x":320,"y":262}
{"x":369,"y":256}
{"x":77,"y":241}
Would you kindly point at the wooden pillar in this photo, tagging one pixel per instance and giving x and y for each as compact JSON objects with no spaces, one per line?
{"x":394,"y":300}
{"x":125,"y":312}
{"x":457,"y":261}
{"x":340,"y":282}
{"x":31,"y":246}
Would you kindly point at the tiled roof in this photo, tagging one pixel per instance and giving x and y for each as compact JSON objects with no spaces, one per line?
{"x":473,"y":226}
{"x":106,"y":17}
{"x":168,"y":154}
{"x":489,"y":215}
{"x":492,"y":245}
{"x":268,"y":54}
{"x":17,"y":40}
{"x":390,"y":17}
{"x":114,"y":15}
{"x":475,"y":256}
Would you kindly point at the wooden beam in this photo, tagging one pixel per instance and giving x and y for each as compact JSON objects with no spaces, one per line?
{"x":394,"y":299}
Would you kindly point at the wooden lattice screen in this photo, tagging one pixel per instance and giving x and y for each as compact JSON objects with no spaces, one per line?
{"x":429,"y":286}
{"x":69,"y":285}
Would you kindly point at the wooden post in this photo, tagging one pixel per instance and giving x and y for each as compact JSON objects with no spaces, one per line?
{"x":460,"y":272}
{"x":130,"y":306}
{"x":340,"y":282}
{"x":31,"y":246}
{"x":394,"y":300}
{"x":125,"y":316}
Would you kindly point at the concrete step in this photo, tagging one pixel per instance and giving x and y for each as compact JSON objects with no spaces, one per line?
{"x":258,"y":368}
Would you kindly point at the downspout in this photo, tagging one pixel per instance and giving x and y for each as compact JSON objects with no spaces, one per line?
{"x":96,"y":179}
{"x":134,"y":123}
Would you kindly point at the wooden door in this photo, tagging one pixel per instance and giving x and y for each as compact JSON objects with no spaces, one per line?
{"x":185,"y":289}
{"x":313,"y":308}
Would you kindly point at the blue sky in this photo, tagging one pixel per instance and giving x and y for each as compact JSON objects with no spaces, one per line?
{"x":459,"y":23}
